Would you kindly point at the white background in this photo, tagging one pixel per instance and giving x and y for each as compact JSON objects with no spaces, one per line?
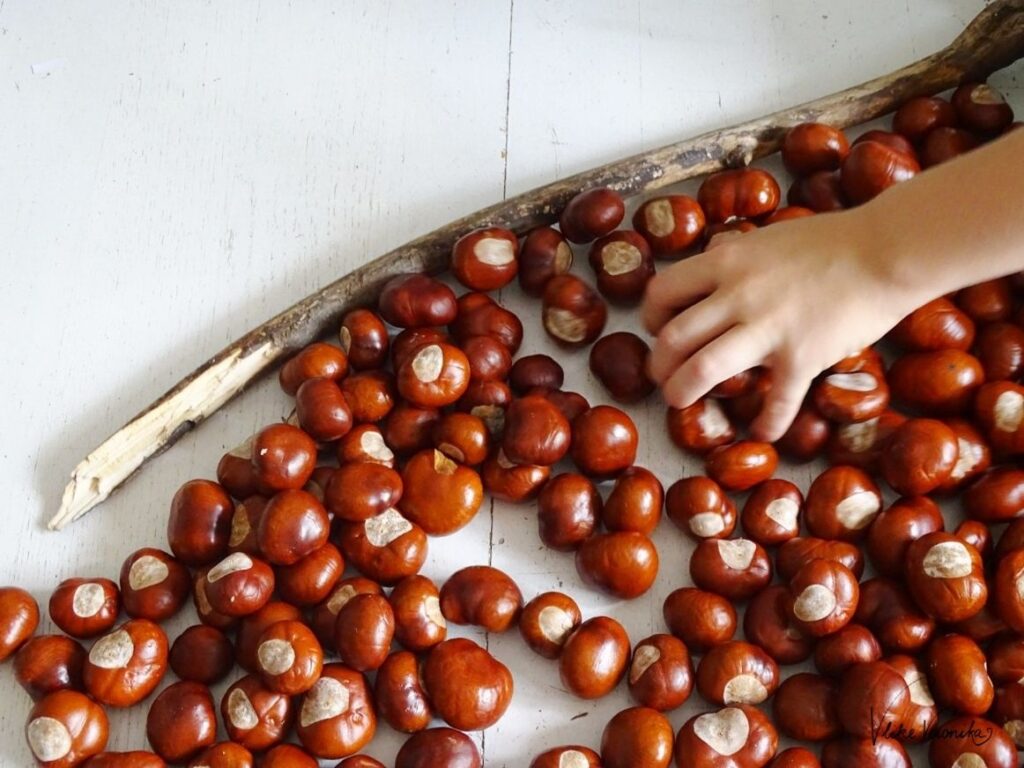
{"x":171,"y":174}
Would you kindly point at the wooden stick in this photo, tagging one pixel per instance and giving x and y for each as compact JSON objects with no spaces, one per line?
{"x":993,"y":40}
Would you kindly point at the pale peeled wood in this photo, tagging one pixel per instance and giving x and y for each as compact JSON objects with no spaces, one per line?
{"x":993,"y":40}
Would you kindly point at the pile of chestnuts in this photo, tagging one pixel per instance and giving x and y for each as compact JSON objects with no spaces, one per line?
{"x":303,"y":559}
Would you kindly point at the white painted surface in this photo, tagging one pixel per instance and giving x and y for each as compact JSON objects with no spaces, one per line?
{"x":174,"y":173}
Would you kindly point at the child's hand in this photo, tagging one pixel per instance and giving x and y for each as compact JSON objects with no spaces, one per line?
{"x":795,"y":297}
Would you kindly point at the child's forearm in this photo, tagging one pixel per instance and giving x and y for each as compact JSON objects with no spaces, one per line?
{"x":960,"y":223}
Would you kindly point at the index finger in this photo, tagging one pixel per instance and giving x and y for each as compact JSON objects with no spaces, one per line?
{"x":674,"y":289}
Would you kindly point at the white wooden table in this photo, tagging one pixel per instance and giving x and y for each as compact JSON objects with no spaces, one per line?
{"x":173,"y":173}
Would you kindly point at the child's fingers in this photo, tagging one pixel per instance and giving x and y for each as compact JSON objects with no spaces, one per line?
{"x":733,"y":352}
{"x":789,"y":387}
{"x":674,"y":289}
{"x":685,"y":333}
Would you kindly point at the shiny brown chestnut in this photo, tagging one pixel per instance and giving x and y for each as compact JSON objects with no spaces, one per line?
{"x":360,"y":761}
{"x":855,"y":752}
{"x":841,"y":503}
{"x":872,"y":699}
{"x":811,"y":147}
{"x":768,"y":623}
{"x":921,"y":712}
{"x":594,"y":658}
{"x":439,"y":746}
{"x":698,"y":506}
{"x":535,"y":371}
{"x":202,"y":654}
{"x":468,"y":687}
{"x":225,"y":754}
{"x":700,"y":619}
{"x":83,"y":607}
{"x":462,"y":437}
{"x":508,"y":481}
{"x":254,"y":716}
{"x":944,"y":144}
{"x":982,"y":108}
{"x":238,"y":585}
{"x":734,"y":568}
{"x":545,"y":254}
{"x":744,"y":193}
{"x":895,"y":528}
{"x":821,"y":192}
{"x":480,"y":315}
{"x":405,"y":344}
{"x":416,"y":301}
{"x":207,"y":615}
{"x":634,"y":503}
{"x":561,"y":757}
{"x":871,"y":167}
{"x":700,"y":427}
{"x":398,"y":692}
{"x":795,"y":757}
{"x":916,"y":117}
{"x":999,"y":411}
{"x":358,"y":491}
{"x":825,"y":596}
{"x":853,"y":644}
{"x":661,"y":673}
{"x":364,"y":338}
{"x":942,"y":382}
{"x":284,"y":458}
{"x":19,"y":617}
{"x":547,"y":621}
{"x":365,"y":443}
{"x":419,"y":623}
{"x":623,"y":564}
{"x":236,"y":473}
{"x":946,"y":577}
{"x":336,"y":718}
{"x":288,"y":756}
{"x":487,"y":400}
{"x":409,"y":428}
{"x":771,"y":513}
{"x":536,"y":432}
{"x":919,"y":456}
{"x":572,"y":312}
{"x":126,"y":665}
{"x":958,"y":675}
{"x":732,"y":737}
{"x":965,"y":741}
{"x":311,"y":580}
{"x":939,"y":324}
{"x":623,"y":265}
{"x":736,"y":673}
{"x":182,"y":721}
{"x":485,"y":259}
{"x":988,"y":301}
{"x":1000,"y":349}
{"x":154,"y":585}
{"x":440,"y":495}
{"x":199,"y":525}
{"x":591,"y":214}
{"x":363,"y":631}
{"x":1006,"y":660}
{"x":489,"y":359}
{"x":638,"y":737}
{"x":66,"y":728}
{"x":433,"y":376}
{"x":370,"y":396}
{"x":251,"y":627}
{"x":604,"y":441}
{"x":482,"y":596}
{"x":316,"y":361}
{"x":245,"y":521}
{"x":289,"y":657}
{"x":322,"y":410}
{"x":670,"y":224}
{"x":804,"y":708}
{"x":846,"y":397}
{"x":619,"y":361}
{"x":741,"y":465}
{"x":48,"y":663}
{"x":889,"y":612}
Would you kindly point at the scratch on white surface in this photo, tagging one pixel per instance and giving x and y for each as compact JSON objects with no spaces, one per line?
{"x":508,"y":98}
{"x":48,"y":67}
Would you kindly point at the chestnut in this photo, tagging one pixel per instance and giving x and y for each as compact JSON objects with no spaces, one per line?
{"x":973,"y":455}
{"x":359,"y":491}
{"x":254,"y":716}
{"x":939,"y":324}
{"x":316,"y":361}
{"x":871,"y":167}
{"x":200,"y":523}
{"x":440,"y":495}
{"x":207,"y":615}
{"x":153,"y":585}
{"x":846,"y":397}
{"x":572,"y":313}
{"x":872,"y":699}
{"x":288,"y":756}
{"x":944,"y":144}
{"x":483,"y":596}
{"x":670,"y":224}
{"x":202,"y":654}
{"x":821,"y":192}
{"x":535,"y":371}
{"x":736,"y":673}
{"x":734,"y":568}
{"x":485,"y":259}
{"x":545,"y":254}
{"x":853,"y":644}
{"x":1000,"y":349}
{"x":982,"y":108}
{"x":433,"y":376}
{"x":744,"y":193}
{"x":889,"y":612}
{"x":604,"y":441}
{"x":768,"y":622}
{"x":363,"y":631}
{"x":977,"y":535}
{"x":409,"y":428}
{"x":945,"y":576}
{"x":370,"y":396}
{"x":700,"y":619}
{"x":133,"y":759}
{"x":804,"y":708}
{"x":360,"y":761}
{"x":310,"y":580}
{"x":251,"y":627}
{"x":859,"y":444}
{"x":65,"y":729}
{"x":284,"y":458}
{"x":958,"y":676}
{"x":364,"y":338}
{"x":660,"y":674}
{"x":547,"y":621}
{"x":462,"y":437}
{"x":700,"y":427}
{"x":771,"y":514}
{"x":1005,"y":660}
{"x":919,"y":456}
{"x":336,"y":717}
{"x":988,"y":301}
{"x":639,"y":737}
{"x":619,"y":361}
{"x":741,"y":465}
{"x":623,"y":564}
{"x":634,"y":503}
{"x":439,"y":746}
{"x":289,"y":657}
{"x":489,"y":359}
{"x":536,"y":432}
{"x":795,"y":757}
{"x":571,"y":404}
{"x":80,"y":607}
{"x":591,"y":214}
{"x":487,"y":400}
{"x":406,"y":343}
{"x":239,"y":584}
{"x":942,"y":382}
{"x":794,"y":554}
{"x":19,"y":617}
{"x":236,"y":473}
{"x":480,"y":315}
{"x":996,"y":496}
{"x":225,"y":754}
{"x":1008,"y":590}
{"x":890,"y":139}
{"x":365,"y":443}
{"x":811,"y":147}
{"x":399,"y":695}
{"x":921,"y":712}
{"x":841,"y":503}
{"x":896,"y":528}
{"x":574,"y":756}
{"x":48,"y":663}
{"x":181,"y":721}
{"x":916,"y":117}
{"x":245,"y":521}
{"x":999,"y":411}
{"x":594,"y":658}
{"x":825,"y":596}
{"x":699,"y":506}
{"x":416,"y":301}
{"x":1008,"y":711}
{"x":623,"y":264}
{"x":733,"y":737}
{"x":126,"y":665}
{"x":323,"y":410}
{"x":468,"y":687}
{"x":419,"y":623}
{"x":508,"y":481}
{"x":874,"y":752}
{"x":968,"y":741}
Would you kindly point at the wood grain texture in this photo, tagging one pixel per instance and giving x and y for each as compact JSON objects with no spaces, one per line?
{"x":176,"y":175}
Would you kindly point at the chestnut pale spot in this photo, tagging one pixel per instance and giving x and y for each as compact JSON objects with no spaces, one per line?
{"x":202,"y":601}
{"x":947,"y":560}
{"x":428,"y":363}
{"x":339,"y":599}
{"x":967,"y":458}
{"x":1018,"y":582}
{"x":432,"y":607}
{"x":345,"y":337}
{"x":659,"y":218}
{"x":1015,"y":729}
{"x":815,"y":603}
{"x":240,"y":526}
{"x":619,"y":258}
{"x":243,"y":451}
{"x":917,"y":684}
{"x":452,"y":451}
{"x":564,"y":325}
{"x":276,"y":656}
{"x":503,"y":461}
{"x":1008,"y":411}
{"x":858,"y":509}
{"x":707,"y":524}
{"x":326,"y":699}
{"x":112,"y":651}
{"x":970,"y":760}
{"x":241,"y":712}
{"x":384,"y":528}
{"x":48,"y":739}
{"x":737,"y":553}
{"x":712,"y":420}
{"x":987,"y":95}
{"x":643,"y":658}
{"x":494,"y":251}
{"x":555,"y":624}
{"x":88,"y":600}
{"x":853,"y":382}
{"x":725,"y":731}
{"x":859,"y":437}
{"x":444,"y":465}
{"x":147,"y":571}
{"x":233,"y":563}
{"x":373,"y":445}
{"x":744,"y":689}
{"x":572,"y":758}
{"x":783,"y":512}
{"x":563,"y":258}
